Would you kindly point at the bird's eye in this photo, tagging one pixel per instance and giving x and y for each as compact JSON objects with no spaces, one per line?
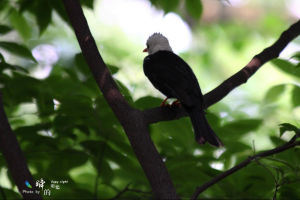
{"x":147,"y":46}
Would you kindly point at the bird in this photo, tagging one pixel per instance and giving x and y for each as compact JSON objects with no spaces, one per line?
{"x":173,"y":77}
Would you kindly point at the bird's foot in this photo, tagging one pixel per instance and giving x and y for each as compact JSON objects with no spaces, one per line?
{"x":176,"y":103}
{"x":163,"y":104}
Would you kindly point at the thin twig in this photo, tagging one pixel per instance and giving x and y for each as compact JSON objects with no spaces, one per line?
{"x":121,"y":192}
{"x":157,"y":114}
{"x":127,"y":189}
{"x":292,"y":143}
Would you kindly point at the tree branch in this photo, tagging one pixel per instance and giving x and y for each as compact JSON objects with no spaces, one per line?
{"x":132,"y":120}
{"x":292,"y":143}
{"x":14,"y":157}
{"x":127,"y":189}
{"x":135,"y":122}
{"x":157,"y":114}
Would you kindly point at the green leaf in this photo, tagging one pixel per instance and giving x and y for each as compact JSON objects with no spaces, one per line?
{"x":147,"y":102}
{"x":112,"y":68}
{"x":194,"y":8}
{"x":17,"y":49}
{"x":287,"y":127}
{"x":287,"y":67}
{"x":45,"y":104}
{"x":41,"y":10}
{"x":239,"y":127}
{"x":290,"y":190}
{"x":3,"y":4}
{"x":2,"y":59}
{"x":4,"y":65}
{"x":296,"y":56}
{"x":296,"y":96}
{"x":277,"y":141}
{"x":124,"y":90}
{"x":87,"y":3}
{"x":19,"y":22}
{"x":274,"y":93}
{"x":26,"y":5}
{"x":60,"y":9}
{"x":43,"y":15}
{"x":167,"y":6}
{"x":9,"y":193}
{"x":65,"y":160}
{"x":4,"y":29}
{"x":81,"y":64}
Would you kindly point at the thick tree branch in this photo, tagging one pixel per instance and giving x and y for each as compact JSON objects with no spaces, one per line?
{"x":131,"y":119}
{"x":292,"y":143}
{"x":135,"y":122}
{"x":14,"y":157}
{"x":154,"y":115}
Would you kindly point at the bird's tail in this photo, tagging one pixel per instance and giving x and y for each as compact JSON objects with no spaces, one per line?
{"x":203,"y":131}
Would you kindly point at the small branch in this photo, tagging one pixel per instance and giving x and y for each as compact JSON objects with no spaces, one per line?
{"x":127,"y":189}
{"x":273,"y":176}
{"x":157,"y":114}
{"x":292,"y":143}
{"x":132,"y":120}
{"x":121,"y":192}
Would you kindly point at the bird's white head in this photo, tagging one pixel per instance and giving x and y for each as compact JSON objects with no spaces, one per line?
{"x":157,"y":42}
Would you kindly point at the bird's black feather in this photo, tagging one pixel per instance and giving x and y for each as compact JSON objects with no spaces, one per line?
{"x":174,"y":78}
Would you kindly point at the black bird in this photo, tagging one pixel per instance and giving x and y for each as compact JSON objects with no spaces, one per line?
{"x":174,"y":78}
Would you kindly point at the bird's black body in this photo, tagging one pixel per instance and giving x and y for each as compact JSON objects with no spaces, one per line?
{"x":174,"y":78}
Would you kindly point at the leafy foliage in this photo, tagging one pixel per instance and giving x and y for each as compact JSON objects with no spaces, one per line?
{"x":67,"y":130}
{"x":287,"y":67}
{"x":192,"y":7}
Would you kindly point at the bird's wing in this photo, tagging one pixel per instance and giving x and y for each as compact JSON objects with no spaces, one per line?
{"x":173,"y":77}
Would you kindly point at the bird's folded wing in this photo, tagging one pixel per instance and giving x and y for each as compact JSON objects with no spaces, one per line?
{"x":171,"y":75}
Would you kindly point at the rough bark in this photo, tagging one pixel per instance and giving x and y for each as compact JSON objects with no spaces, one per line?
{"x":132,"y":120}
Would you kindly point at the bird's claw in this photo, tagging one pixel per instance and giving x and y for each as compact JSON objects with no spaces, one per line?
{"x":176,"y":103}
{"x":163,"y":104}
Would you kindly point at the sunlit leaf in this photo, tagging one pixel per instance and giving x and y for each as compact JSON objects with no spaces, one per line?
{"x":287,"y":67}
{"x":296,"y":96}
{"x":296,"y":56}
{"x":239,"y":127}
{"x":4,"y":65}
{"x":112,"y":68}
{"x":147,"y":102}
{"x":194,"y":8}
{"x":274,"y":93}
{"x":59,"y":8}
{"x":19,"y":22}
{"x":167,"y":6}
{"x":43,"y":15}
{"x":66,"y":160}
{"x":277,"y":141}
{"x":87,"y":3}
{"x":17,"y":49}
{"x":287,"y":127}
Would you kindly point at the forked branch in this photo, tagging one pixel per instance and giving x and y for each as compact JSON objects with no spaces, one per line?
{"x":157,"y":114}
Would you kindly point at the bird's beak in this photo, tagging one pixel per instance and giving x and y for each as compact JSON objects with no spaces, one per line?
{"x":145,"y":50}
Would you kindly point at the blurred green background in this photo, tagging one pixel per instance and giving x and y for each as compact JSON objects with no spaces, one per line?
{"x":68,"y":132}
